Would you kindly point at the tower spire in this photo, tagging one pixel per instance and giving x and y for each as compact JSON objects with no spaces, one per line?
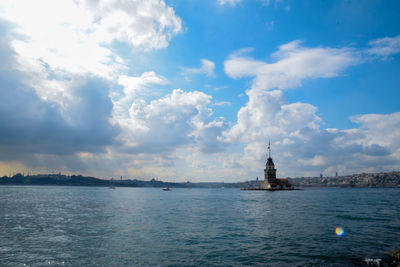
{"x":269,"y":149}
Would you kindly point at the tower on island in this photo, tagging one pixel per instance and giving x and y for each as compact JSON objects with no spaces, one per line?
{"x":270,"y":180}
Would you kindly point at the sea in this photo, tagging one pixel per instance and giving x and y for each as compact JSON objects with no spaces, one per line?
{"x":99,"y":226}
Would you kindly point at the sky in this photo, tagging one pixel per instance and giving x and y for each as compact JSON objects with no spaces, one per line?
{"x":194,"y":90}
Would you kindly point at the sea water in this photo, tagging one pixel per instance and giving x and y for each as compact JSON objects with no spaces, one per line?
{"x":98,"y":226}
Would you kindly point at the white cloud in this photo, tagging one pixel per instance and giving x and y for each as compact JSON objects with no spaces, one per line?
{"x":229,"y":2}
{"x":147,"y":24}
{"x":132,"y":85}
{"x":233,"y":3}
{"x":62,"y":39}
{"x":382,"y":129}
{"x":385,"y":47}
{"x":220,"y":87}
{"x":64,"y":53}
{"x":63,"y":47}
{"x":59,"y":45}
{"x":207,"y":68}
{"x":231,"y":162}
{"x":179,"y":119}
{"x":268,"y":115}
{"x":299,"y":144}
{"x":222,"y":103}
{"x":300,"y":147}
{"x":62,"y":64}
{"x":317,"y":160}
{"x":293,"y":64}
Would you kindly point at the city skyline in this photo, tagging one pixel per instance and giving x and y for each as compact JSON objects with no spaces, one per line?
{"x":194,"y":90}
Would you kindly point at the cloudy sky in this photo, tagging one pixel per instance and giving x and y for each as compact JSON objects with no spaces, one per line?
{"x":194,"y":90}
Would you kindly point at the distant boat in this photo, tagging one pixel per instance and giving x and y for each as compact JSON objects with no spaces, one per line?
{"x":166,"y":189}
{"x":112,"y":186}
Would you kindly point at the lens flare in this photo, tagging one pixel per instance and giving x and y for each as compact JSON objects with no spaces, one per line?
{"x":339,"y":231}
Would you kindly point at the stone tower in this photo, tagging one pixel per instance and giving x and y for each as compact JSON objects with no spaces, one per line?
{"x":270,"y":181}
{"x":270,"y":171}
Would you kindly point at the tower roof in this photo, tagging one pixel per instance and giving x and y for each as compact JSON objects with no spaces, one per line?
{"x":270,"y":162}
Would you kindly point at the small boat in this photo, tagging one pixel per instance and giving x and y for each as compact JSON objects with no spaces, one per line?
{"x":112,"y":186}
{"x":166,"y":189}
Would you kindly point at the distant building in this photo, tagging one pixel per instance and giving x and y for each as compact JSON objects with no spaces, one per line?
{"x":270,"y":180}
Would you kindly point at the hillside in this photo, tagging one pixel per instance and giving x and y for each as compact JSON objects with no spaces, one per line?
{"x":383,"y":179}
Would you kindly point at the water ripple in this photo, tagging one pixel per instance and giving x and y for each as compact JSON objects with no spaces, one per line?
{"x":88,"y":226}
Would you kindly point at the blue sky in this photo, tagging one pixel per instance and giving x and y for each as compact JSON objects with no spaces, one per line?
{"x":193,"y":90}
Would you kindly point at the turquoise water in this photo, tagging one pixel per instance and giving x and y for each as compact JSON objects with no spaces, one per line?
{"x":94,"y":226}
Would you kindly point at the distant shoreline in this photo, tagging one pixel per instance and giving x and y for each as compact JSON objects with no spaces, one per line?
{"x":364,"y":180}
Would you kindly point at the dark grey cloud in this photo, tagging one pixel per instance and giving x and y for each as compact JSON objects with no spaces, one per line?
{"x":376,"y":150}
{"x":30,"y":126}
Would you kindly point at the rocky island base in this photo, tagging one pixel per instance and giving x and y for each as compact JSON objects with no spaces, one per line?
{"x":270,"y":189}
